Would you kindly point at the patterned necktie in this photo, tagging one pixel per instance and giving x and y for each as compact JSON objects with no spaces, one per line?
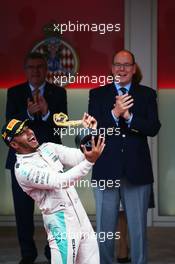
{"x":35,"y":95}
{"x":123,"y":90}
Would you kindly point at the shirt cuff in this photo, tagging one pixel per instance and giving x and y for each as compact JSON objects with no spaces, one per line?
{"x":116,"y":119}
{"x":128,"y":122}
{"x":30,"y":116}
{"x":45,"y":117}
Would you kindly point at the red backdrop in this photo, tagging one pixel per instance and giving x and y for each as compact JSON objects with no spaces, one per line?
{"x":21,"y":27}
{"x":166,"y":44}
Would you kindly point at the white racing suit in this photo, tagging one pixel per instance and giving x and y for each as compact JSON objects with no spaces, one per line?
{"x":40,"y":174}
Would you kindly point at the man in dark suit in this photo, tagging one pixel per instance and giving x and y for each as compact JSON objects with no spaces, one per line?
{"x":132,"y":108}
{"x":36,"y":100}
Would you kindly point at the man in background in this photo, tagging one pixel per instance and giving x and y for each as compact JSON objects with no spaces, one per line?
{"x":36,"y":100}
{"x":133,"y":108}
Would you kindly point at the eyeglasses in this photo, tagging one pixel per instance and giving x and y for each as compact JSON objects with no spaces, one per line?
{"x":37,"y":67}
{"x":125,"y":65}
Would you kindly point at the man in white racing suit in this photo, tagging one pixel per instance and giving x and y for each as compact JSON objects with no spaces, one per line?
{"x":40,"y":172}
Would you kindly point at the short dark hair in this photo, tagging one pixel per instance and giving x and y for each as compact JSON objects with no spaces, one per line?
{"x":33,"y":56}
{"x":125,"y":50}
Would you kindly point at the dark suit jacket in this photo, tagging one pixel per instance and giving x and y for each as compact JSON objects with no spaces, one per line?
{"x":17,"y":108}
{"x":126,"y":155}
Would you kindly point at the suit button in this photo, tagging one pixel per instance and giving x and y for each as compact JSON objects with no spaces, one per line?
{"x":123,"y":135}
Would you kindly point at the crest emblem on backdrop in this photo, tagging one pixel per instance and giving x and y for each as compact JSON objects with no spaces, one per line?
{"x":61,"y":57}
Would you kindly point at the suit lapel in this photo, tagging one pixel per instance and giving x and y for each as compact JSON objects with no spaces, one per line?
{"x":133,"y":89}
{"x":48,"y":93}
{"x":110,"y":94}
{"x":26,"y":92}
{"x":135,"y":93}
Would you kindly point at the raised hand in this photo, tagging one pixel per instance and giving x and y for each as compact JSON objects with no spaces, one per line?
{"x":32,"y":108}
{"x":96,"y":150}
{"x":89,"y":121}
{"x":43,"y":105}
{"x":122,"y":105}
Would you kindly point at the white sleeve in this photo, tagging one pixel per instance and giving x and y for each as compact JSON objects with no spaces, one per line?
{"x":30,"y":176}
{"x":69,"y":157}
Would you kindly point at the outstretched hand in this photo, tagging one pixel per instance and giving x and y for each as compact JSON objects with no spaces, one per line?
{"x":96,"y":150}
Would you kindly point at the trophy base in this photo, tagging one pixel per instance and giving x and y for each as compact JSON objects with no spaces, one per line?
{"x":85,"y":137}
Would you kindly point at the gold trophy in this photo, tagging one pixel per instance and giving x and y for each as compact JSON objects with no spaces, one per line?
{"x":61,"y":120}
{"x":84,"y":136}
